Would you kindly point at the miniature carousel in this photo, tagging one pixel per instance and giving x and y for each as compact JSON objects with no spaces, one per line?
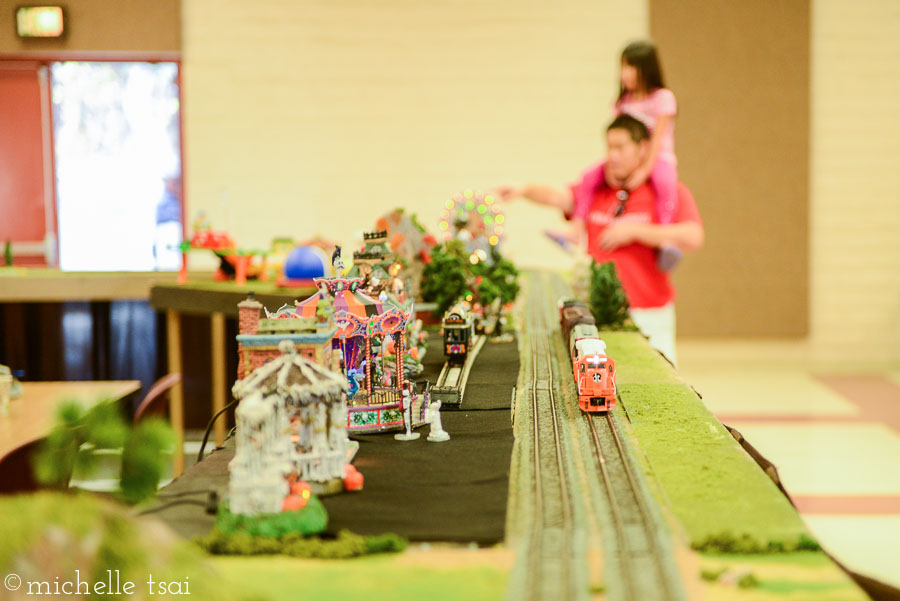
{"x":367,"y":329}
{"x":291,"y":426}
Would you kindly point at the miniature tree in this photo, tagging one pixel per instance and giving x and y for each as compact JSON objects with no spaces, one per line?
{"x":498,"y":277}
{"x":608,"y":302}
{"x":444,"y":279}
{"x":324,"y":309}
{"x":505,"y":277}
{"x":415,"y":221}
{"x":102,"y":427}
{"x":143,"y":460}
{"x":487,"y":291}
{"x":7,"y":253}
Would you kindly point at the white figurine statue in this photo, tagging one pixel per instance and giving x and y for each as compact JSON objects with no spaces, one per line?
{"x":407,"y":419}
{"x":337,"y":262}
{"x":433,"y":417}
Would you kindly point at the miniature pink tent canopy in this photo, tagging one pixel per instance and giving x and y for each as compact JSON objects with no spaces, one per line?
{"x":357,"y":313}
{"x":360,"y":317}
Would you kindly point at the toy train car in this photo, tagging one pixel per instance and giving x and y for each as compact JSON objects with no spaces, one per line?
{"x":459,"y":331}
{"x":573,"y":312}
{"x":593,"y":370}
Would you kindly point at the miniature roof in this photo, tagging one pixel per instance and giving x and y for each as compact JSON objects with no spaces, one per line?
{"x":253,"y":409}
{"x":284,"y":312}
{"x":349,"y":299}
{"x":357,"y":313}
{"x":294,"y":378}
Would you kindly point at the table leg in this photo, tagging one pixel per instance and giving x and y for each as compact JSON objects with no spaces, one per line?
{"x":176,"y":395}
{"x":218,"y":374}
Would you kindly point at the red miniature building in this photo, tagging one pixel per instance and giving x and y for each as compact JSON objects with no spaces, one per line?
{"x":258,"y":338}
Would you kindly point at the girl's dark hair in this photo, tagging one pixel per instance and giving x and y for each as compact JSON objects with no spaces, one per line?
{"x":643,"y":56}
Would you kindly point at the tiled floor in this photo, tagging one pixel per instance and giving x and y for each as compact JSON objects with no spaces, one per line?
{"x":835,"y":439}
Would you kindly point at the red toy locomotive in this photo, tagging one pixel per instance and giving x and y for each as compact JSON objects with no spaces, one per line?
{"x":594,"y":371}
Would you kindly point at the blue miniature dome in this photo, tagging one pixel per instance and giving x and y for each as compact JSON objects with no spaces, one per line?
{"x":304,"y":263}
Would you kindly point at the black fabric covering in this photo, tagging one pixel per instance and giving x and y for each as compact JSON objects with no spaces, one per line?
{"x":491,"y":378}
{"x":434,"y":357}
{"x":426,"y":491}
{"x":433,"y":491}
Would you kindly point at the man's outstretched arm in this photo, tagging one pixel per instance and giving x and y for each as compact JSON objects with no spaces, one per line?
{"x":539,"y":194}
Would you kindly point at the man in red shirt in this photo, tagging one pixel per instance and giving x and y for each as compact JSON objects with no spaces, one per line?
{"x":622,"y":227}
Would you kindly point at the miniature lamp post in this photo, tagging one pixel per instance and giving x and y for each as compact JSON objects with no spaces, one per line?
{"x":382,"y":346}
{"x":398,"y":353}
{"x":344,"y":353}
{"x":369,"y":366}
{"x":407,"y":420}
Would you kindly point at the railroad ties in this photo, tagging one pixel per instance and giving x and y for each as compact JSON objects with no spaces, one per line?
{"x":580,"y":518}
{"x":451,"y":384}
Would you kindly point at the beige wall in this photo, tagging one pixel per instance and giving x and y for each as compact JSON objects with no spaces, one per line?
{"x":307,"y":117}
{"x":311,"y":117}
{"x":152,"y":26}
{"x":855,"y":181}
{"x":742,"y":140}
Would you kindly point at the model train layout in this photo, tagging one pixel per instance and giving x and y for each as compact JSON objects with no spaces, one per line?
{"x":461,"y":345}
{"x":593,"y":371}
{"x":459,"y":332}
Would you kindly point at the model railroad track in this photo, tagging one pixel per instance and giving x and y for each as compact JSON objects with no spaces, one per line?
{"x":550,"y":573}
{"x":642,"y":563}
{"x":451,"y":383}
{"x":644,"y":566}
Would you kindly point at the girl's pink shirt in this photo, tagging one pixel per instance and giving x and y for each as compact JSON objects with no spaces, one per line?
{"x":649,"y":109}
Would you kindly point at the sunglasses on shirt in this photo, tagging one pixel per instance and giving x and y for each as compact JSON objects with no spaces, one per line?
{"x":622,"y":197}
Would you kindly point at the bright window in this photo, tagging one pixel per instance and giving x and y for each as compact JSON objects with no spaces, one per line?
{"x":116,"y":140}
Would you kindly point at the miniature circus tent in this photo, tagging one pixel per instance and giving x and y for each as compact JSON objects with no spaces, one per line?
{"x":360,"y":318}
{"x":349,"y":300}
{"x":310,"y":411}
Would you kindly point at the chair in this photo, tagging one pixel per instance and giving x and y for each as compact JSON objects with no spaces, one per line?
{"x":152,"y":403}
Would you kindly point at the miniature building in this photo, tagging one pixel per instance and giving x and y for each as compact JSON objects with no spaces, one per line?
{"x":375,"y":260}
{"x":260,"y":466}
{"x":258,"y":339}
{"x":293,"y":425}
{"x":365,"y":323}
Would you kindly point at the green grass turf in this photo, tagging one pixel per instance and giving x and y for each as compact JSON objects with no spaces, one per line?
{"x":381,"y":577}
{"x":719,"y":495}
{"x":801,"y":576}
{"x":46,"y":536}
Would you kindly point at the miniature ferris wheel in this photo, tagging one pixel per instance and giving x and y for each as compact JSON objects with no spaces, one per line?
{"x":472,"y":217}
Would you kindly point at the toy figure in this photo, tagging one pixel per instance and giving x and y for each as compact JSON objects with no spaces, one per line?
{"x":353,"y":377}
{"x":336,"y":261}
{"x":407,"y":419}
{"x":433,"y":418}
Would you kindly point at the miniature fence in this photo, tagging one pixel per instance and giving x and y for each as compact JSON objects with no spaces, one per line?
{"x":380,"y":396}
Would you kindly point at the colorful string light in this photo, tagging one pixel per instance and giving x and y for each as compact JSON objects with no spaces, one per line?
{"x":482,"y":211}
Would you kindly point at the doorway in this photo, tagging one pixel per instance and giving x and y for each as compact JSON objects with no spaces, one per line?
{"x":117,"y":154}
